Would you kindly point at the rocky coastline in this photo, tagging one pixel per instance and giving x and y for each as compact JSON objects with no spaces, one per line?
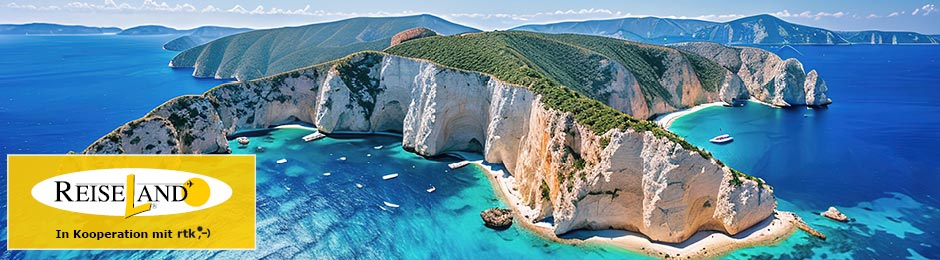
{"x":560,"y":169}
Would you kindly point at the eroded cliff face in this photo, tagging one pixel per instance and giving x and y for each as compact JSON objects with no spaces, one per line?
{"x":678,"y":78}
{"x":629,"y":180}
{"x":768,"y":78}
{"x":621,"y":179}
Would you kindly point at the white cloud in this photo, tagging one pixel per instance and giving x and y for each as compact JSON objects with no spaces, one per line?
{"x":238,"y":9}
{"x":717,"y":17}
{"x":210,"y":9}
{"x":825,"y":14}
{"x":926,"y":9}
{"x":258,"y":10}
{"x":479,"y":19}
{"x":111,"y":5}
{"x":530,"y":16}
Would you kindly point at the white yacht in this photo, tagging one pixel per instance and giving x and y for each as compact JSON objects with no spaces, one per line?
{"x":722,"y":139}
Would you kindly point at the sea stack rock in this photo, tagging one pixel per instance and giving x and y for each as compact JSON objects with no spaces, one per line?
{"x":497,"y":218}
{"x":411,"y":34}
{"x":834,"y":214}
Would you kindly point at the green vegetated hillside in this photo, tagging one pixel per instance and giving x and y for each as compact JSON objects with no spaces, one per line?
{"x":265,"y":52}
{"x":199,"y":36}
{"x":563,"y":70}
{"x":566,"y":59}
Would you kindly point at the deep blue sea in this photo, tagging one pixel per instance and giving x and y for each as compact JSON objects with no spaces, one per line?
{"x":61,"y":93}
{"x":870,"y":154}
{"x":873,"y":153}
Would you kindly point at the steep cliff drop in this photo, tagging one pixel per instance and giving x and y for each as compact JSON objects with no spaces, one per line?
{"x":629,"y":180}
{"x":768,"y":78}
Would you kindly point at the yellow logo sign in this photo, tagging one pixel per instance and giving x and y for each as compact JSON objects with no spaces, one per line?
{"x":131,"y":202}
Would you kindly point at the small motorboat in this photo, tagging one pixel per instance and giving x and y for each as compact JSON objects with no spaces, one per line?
{"x":722,"y":139}
{"x":378,"y":147}
{"x":281,"y":161}
{"x":242,"y":140}
{"x":432,"y":189}
{"x":342,"y":158}
{"x":327,"y":174}
{"x":390,"y":176}
{"x":358,"y":185}
{"x":390,"y":204}
{"x":313,"y":136}
{"x":458,"y":164}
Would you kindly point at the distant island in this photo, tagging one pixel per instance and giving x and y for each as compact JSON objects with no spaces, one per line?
{"x":754,"y":30}
{"x":54,"y":29}
{"x":187,"y":38}
{"x":150,"y":30}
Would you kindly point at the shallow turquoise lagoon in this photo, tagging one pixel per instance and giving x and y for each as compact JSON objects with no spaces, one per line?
{"x":872,"y":153}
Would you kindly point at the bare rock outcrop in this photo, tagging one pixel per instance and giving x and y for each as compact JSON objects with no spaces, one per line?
{"x":411,"y":34}
{"x":835,"y":214}
{"x":497,"y":218}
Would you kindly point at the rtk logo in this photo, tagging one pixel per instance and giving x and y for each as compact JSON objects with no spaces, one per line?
{"x":131,"y":192}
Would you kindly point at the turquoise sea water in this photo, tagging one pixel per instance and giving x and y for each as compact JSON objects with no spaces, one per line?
{"x":303,"y":214}
{"x":869,"y":154}
{"x":872,"y":154}
{"x":61,"y":93}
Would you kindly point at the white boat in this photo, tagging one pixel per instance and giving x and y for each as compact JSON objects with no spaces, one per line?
{"x":313,"y":136}
{"x":358,"y":185}
{"x":390,"y":204}
{"x":722,"y":139}
{"x":281,"y":161}
{"x":378,"y":147}
{"x":327,"y":174}
{"x":242,"y":140}
{"x":342,"y":158}
{"x":390,"y":176}
{"x":458,"y":164}
{"x":432,"y":189}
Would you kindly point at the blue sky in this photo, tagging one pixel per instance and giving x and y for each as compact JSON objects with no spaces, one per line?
{"x":921,"y":16}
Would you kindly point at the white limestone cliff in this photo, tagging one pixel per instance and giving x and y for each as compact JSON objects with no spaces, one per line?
{"x":621,"y":179}
{"x":768,"y":78}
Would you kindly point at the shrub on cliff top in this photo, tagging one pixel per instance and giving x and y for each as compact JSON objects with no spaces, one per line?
{"x":549,"y":64}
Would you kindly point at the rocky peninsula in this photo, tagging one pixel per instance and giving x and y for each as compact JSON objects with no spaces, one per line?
{"x":638,"y":179}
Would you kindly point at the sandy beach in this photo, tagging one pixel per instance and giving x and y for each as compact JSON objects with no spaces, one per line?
{"x":704,"y":244}
{"x":666,"y":120}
